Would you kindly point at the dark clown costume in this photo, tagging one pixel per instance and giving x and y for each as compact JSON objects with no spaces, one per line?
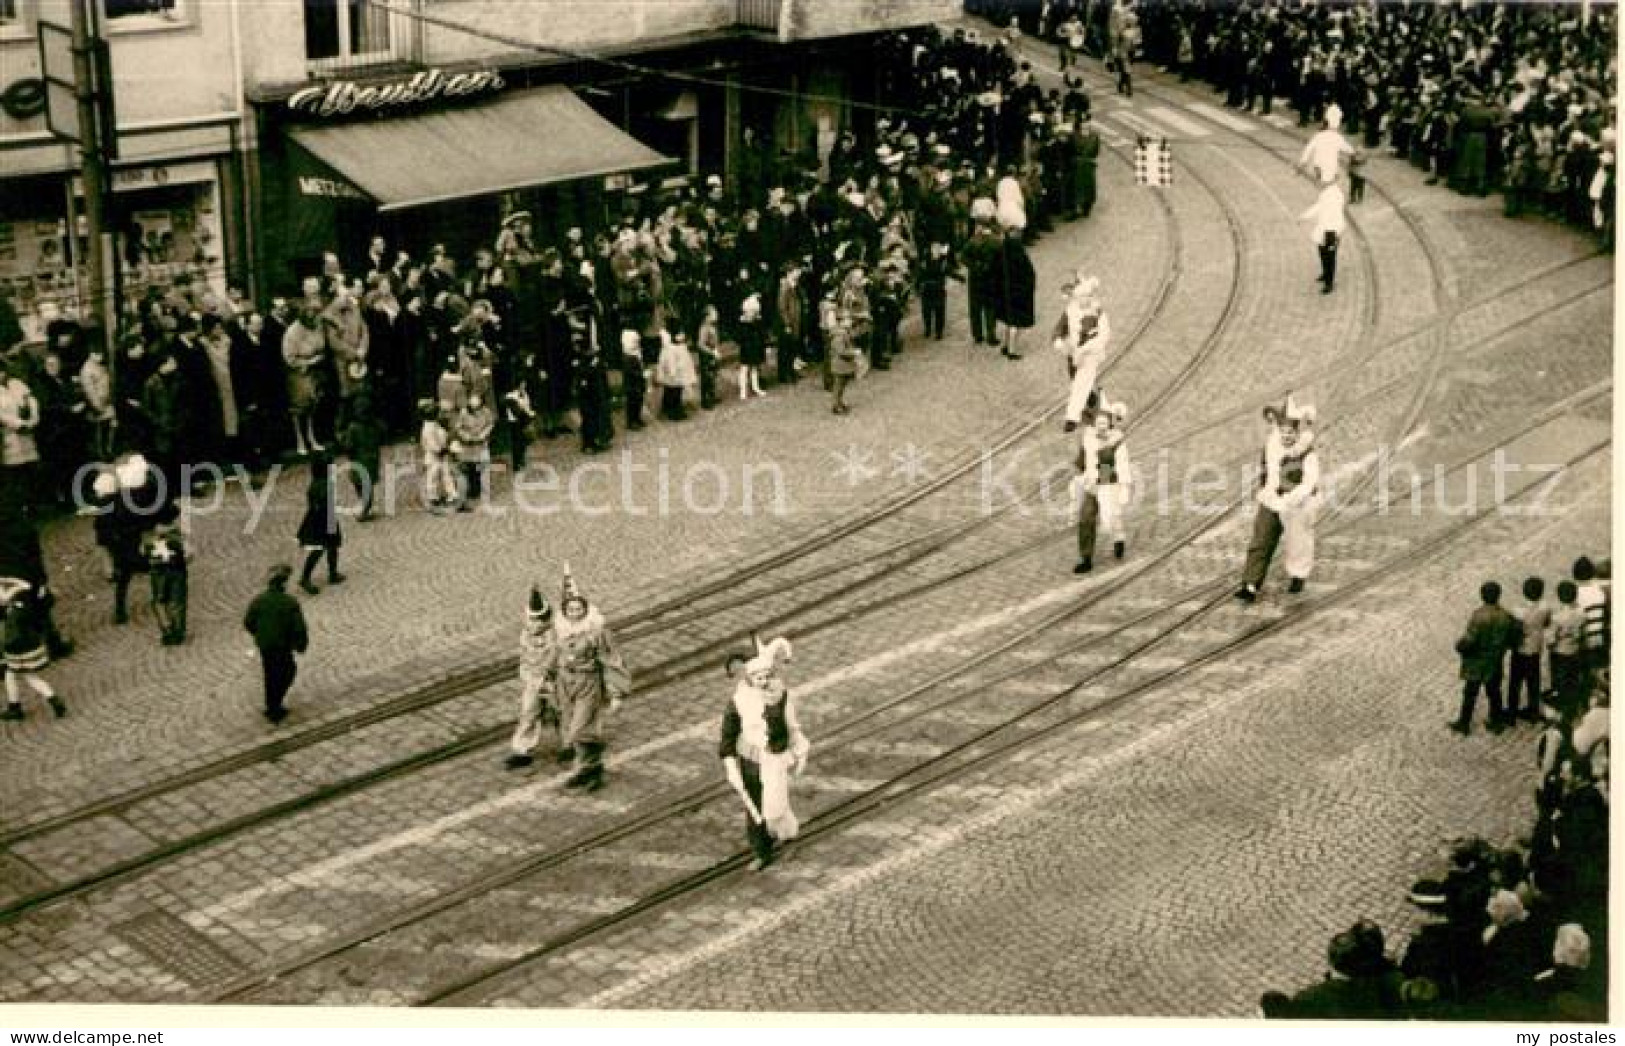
{"x":1288,"y":501}
{"x":762,"y":746}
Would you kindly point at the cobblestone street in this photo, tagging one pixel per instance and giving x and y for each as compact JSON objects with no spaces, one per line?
{"x":1198,"y":794}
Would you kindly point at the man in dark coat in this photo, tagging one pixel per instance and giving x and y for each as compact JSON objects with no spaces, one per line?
{"x":1085,"y":156}
{"x":591,"y":378}
{"x":1490,"y":634}
{"x":1362,"y":985}
{"x":163,"y":405}
{"x":278,"y":627}
{"x":982,"y":253}
{"x":261,"y":391}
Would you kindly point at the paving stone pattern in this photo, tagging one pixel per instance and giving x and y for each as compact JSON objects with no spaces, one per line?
{"x":1159,"y":810}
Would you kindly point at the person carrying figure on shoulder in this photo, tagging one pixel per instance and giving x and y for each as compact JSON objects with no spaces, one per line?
{"x":762,"y":746}
{"x":1288,"y":500}
{"x":1104,"y":484}
{"x":538,"y":671}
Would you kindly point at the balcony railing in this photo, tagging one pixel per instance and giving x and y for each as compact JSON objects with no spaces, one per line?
{"x":760,"y":14}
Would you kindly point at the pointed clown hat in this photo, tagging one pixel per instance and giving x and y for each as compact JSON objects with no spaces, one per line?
{"x":568,"y":589}
{"x":1299,"y":412}
{"x":538,"y":610}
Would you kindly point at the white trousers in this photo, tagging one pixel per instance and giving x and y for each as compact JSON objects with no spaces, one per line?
{"x":1103,"y":507}
{"x":781,"y":820}
{"x":527,"y":732}
{"x":1298,"y":538}
{"x":1083,"y":383}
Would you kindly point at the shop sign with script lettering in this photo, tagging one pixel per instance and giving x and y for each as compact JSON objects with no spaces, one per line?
{"x":345,"y":97}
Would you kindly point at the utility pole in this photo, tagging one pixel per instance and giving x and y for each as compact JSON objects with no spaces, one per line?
{"x":92,"y":91}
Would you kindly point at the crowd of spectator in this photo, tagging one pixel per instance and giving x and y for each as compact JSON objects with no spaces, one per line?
{"x":1517,"y":932}
{"x":809,"y":262}
{"x":1513,"y":97}
{"x":1510,"y":97}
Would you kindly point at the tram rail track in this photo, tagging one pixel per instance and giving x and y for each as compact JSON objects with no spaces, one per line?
{"x":829,"y":820}
{"x":663,"y":615}
{"x":471,"y":743}
{"x":893,"y":713}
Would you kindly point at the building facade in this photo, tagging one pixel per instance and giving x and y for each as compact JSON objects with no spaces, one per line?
{"x":175,"y":206}
{"x":427,"y":121}
{"x":254,"y":135}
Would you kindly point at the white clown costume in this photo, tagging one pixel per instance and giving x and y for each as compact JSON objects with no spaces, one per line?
{"x":1103,"y":487}
{"x":592,"y":681}
{"x":538,"y":672}
{"x":1288,"y":500}
{"x":1082,"y":335}
{"x":762,"y":745}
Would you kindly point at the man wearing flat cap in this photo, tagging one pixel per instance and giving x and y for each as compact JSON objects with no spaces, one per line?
{"x":277,"y":624}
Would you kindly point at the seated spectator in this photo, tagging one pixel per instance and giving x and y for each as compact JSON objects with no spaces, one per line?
{"x":1362,"y":985}
{"x":1568,"y":990}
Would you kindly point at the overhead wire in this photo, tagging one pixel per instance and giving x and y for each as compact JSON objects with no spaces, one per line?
{"x":588,"y":57}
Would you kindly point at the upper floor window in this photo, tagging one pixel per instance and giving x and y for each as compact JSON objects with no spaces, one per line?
{"x":144,"y":14}
{"x":11,"y":19}
{"x":337,"y":30}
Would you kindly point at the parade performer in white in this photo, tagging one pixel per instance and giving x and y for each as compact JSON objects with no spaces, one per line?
{"x":762,"y":746}
{"x":538,"y":669}
{"x":1103,"y":486}
{"x":1328,"y":219}
{"x":1322,"y":158}
{"x":592,"y":681}
{"x":1288,"y":500}
{"x":1082,"y":335}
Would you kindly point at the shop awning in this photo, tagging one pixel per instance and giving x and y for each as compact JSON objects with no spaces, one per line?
{"x":518,"y":141}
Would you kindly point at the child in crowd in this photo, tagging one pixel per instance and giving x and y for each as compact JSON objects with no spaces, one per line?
{"x":439,"y":488}
{"x":675,"y":373}
{"x":710,"y":346}
{"x":165,"y":553}
{"x":471,"y":446}
{"x":752,"y":347}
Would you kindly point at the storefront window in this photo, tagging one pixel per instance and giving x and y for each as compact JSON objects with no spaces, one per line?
{"x":341,"y":30}
{"x":35,"y":274}
{"x":143,"y":14}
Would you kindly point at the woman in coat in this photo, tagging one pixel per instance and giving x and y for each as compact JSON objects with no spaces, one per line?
{"x":1018,"y":283}
{"x":319,"y":529}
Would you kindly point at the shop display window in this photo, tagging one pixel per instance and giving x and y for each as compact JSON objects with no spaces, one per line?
{"x":144,"y":14}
